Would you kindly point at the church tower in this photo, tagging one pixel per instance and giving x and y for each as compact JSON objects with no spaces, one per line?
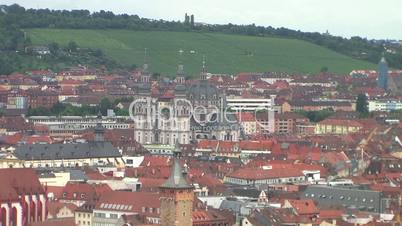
{"x":180,"y":89}
{"x":99,"y":130}
{"x":204,"y":72}
{"x":144,"y":87}
{"x":177,"y":196}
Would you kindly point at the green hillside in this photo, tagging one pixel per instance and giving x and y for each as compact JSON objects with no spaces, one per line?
{"x":224,"y":53}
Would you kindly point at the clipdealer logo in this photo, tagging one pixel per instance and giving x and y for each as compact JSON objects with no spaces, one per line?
{"x":148,"y":111}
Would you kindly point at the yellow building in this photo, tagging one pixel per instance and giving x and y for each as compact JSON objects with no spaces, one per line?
{"x":337,"y":126}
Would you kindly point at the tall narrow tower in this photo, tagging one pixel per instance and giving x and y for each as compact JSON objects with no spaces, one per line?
{"x":99,"y":130}
{"x":176,"y":196}
{"x":383,"y":74}
{"x":204,"y":72}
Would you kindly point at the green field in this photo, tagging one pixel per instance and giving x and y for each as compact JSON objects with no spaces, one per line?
{"x":224,"y":53}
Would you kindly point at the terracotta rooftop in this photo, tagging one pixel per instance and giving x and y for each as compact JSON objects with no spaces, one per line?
{"x":129,"y":201}
{"x":304,"y":207}
{"x":13,"y":186}
{"x":261,"y":174}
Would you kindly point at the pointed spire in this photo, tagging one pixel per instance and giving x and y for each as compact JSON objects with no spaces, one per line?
{"x":177,"y":149}
{"x":176,"y":179}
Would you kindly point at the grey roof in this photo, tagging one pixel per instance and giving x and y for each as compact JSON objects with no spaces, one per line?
{"x":77,"y":175}
{"x":203,"y":88}
{"x":347,"y":197}
{"x":233,"y":205}
{"x":247,"y":192}
{"x":66,"y":151}
{"x":176,"y":179}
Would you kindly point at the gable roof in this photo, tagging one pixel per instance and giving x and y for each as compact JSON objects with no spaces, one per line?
{"x":83,"y":191}
{"x":66,"y":151}
{"x":303,"y":207}
{"x":124,"y":201}
{"x":261,"y":174}
{"x":16,"y":182}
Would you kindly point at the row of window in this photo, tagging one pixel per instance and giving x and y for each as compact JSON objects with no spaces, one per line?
{"x":75,"y":195}
{"x":150,"y":210}
{"x":84,"y":223}
{"x":341,"y":197}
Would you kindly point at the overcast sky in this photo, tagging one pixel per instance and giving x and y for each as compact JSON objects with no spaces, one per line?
{"x":380,"y":19}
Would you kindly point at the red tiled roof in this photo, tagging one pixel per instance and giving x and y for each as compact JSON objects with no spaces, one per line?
{"x":83,"y":191}
{"x":70,"y":82}
{"x":261,"y":174}
{"x":11,"y":139}
{"x":200,"y":216}
{"x":245,"y":77}
{"x":56,"y":191}
{"x":15,"y":182}
{"x":303,"y":153}
{"x":245,"y":117}
{"x":149,"y":172}
{"x":330,"y":214}
{"x":258,"y":163}
{"x":333,"y":157}
{"x":94,"y":175}
{"x":280,"y":84}
{"x":341,"y":122}
{"x":38,"y":139}
{"x":256,"y":145}
{"x":204,"y":179}
{"x":151,"y":182}
{"x":67,"y":91}
{"x":151,"y":160}
{"x":128,"y":201}
{"x":304,"y":207}
{"x":54,"y":207}
{"x":41,"y":128}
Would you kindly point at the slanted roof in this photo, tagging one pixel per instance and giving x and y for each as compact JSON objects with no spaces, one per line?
{"x":66,"y":151}
{"x":176,"y":179}
{"x":18,"y":182}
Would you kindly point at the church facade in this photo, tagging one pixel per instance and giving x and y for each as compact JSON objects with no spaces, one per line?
{"x":162,"y":118}
{"x":184,"y":112}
